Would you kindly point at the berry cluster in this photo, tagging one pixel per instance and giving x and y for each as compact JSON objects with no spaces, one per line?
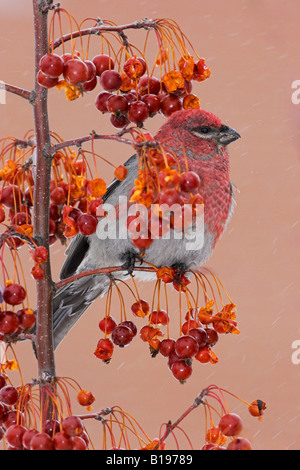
{"x":66,"y":434}
{"x":144,"y":95}
{"x":230,"y":425}
{"x":14,"y":323}
{"x":198,"y":334}
{"x":74,"y":199}
{"x":195,"y":342}
{"x":226,"y":435}
{"x":76,"y":72}
{"x":130,"y":94}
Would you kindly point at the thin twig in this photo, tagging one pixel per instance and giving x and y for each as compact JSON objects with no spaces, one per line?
{"x":93,"y":272}
{"x":80,"y":140}
{"x":26,"y":94}
{"x":145,"y":24}
{"x":199,"y":400}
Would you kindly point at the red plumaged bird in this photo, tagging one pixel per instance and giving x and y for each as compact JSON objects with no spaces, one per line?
{"x":195,"y":136}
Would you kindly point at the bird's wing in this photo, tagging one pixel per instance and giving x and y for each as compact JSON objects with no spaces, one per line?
{"x":79,"y":246}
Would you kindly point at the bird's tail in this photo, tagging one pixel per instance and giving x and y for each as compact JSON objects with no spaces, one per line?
{"x":72,"y":300}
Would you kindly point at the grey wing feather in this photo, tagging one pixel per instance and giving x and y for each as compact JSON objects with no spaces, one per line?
{"x":79,"y":246}
{"x":71,"y":301}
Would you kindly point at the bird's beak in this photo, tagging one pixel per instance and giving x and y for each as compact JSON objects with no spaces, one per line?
{"x":228,"y":135}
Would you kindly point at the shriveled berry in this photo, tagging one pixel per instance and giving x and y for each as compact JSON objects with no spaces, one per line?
{"x":121,"y":172}
{"x":85,"y":398}
{"x":170,"y":197}
{"x":257,"y":407}
{"x":104,"y":349}
{"x":135,"y":67}
{"x":40,"y":254}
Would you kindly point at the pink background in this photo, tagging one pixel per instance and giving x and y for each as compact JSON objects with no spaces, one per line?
{"x":252,"y":48}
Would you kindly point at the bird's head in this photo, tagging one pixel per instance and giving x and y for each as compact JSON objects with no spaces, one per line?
{"x":198,"y":130}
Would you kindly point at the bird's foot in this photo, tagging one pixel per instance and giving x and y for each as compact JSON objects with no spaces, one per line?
{"x":179,"y":268}
{"x":129,"y":259}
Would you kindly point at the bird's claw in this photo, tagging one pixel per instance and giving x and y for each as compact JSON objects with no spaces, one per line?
{"x":130,"y":260}
{"x":179,"y":268}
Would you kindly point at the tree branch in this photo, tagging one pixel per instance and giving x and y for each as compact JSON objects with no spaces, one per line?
{"x":93,"y":272}
{"x":97,"y":30}
{"x":199,"y":400}
{"x":26,"y":94}
{"x":81,"y":140}
{"x":44,"y":328}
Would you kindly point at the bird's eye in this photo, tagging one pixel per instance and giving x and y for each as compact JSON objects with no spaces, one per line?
{"x":204,"y":130}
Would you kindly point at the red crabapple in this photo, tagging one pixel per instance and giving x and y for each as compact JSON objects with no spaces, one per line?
{"x":51,"y":65}
{"x":230,"y":424}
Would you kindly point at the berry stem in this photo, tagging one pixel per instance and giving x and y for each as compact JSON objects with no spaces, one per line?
{"x":44,"y":333}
